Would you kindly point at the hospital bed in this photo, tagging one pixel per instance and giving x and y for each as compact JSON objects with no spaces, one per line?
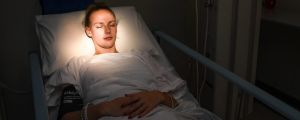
{"x":62,"y":37}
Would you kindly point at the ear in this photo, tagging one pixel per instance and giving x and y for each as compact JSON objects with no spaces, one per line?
{"x":88,"y":32}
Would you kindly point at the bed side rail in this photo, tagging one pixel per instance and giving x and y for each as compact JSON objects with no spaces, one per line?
{"x":271,"y":101}
{"x":39,"y":101}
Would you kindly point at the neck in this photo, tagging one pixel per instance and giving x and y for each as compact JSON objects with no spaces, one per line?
{"x":104,"y":50}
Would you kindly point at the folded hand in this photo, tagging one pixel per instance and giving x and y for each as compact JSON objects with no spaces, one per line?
{"x":145,"y":102}
{"x":118,"y":107}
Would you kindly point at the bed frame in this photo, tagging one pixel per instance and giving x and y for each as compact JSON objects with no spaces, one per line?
{"x":266,"y":98}
{"x":41,"y":111}
{"x":39,"y":99}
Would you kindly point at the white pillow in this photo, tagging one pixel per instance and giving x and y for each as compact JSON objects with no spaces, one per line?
{"x":62,"y":36}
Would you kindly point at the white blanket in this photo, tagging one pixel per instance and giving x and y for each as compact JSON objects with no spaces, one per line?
{"x":108,"y":76}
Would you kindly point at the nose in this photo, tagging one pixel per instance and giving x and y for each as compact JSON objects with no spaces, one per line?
{"x":107,"y":30}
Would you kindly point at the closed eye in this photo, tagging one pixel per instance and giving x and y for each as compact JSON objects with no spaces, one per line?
{"x":112,"y":24}
{"x":100,"y":25}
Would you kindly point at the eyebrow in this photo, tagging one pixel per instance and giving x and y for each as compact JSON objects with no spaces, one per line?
{"x":108,"y":22}
{"x":103,"y":22}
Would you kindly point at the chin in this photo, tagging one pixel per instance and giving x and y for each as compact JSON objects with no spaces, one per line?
{"x":108,"y":46}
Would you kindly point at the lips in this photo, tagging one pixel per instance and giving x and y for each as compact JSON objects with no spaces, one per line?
{"x":108,"y":38}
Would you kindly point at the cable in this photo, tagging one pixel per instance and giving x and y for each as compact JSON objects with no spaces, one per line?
{"x":204,"y":49}
{"x":197,"y":49}
{"x":2,"y":85}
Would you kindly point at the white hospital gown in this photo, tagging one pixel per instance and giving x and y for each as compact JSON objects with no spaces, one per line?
{"x":105,"y":77}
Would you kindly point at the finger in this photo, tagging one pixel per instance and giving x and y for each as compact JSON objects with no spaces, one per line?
{"x":145,"y":112}
{"x":138,"y":111}
{"x":133,"y":107}
{"x":135,"y":94}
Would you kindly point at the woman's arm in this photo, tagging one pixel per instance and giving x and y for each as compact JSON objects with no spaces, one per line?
{"x":169,"y":100}
{"x":148,"y":100}
{"x":117,"y":107}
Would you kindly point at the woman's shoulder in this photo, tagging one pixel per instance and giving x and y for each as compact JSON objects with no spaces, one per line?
{"x":79,"y":60}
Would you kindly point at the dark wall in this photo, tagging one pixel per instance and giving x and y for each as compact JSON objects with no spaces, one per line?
{"x":278,"y":59}
{"x":17,"y":39}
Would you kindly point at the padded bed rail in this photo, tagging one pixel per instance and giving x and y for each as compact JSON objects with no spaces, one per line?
{"x":271,"y":101}
{"x":39,"y":99}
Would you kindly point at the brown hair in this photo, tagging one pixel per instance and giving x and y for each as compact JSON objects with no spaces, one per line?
{"x":92,"y":8}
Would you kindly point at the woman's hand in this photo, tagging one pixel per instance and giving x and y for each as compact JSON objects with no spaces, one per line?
{"x":117,"y":107}
{"x":132,"y":105}
{"x":146,"y":101}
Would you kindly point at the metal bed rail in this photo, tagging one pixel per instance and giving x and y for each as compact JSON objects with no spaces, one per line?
{"x":266,"y":98}
{"x":39,"y":99}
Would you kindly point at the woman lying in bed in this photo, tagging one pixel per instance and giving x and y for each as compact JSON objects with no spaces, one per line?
{"x":119,"y":86}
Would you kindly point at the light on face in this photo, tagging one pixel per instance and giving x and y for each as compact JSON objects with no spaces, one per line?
{"x":130,"y":35}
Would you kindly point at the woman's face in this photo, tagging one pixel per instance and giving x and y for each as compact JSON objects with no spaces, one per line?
{"x":102,"y":29}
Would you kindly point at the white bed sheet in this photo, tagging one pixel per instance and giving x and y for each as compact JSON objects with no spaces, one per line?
{"x":108,"y":76}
